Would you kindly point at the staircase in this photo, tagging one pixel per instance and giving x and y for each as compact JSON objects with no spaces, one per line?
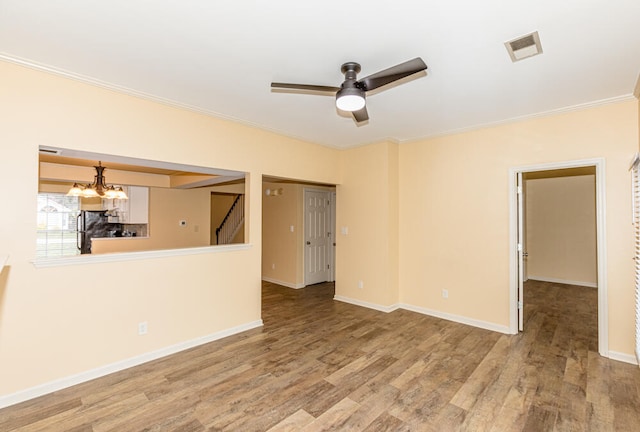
{"x":232,"y":222}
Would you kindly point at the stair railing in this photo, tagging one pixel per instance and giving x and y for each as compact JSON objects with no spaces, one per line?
{"x":231,"y":222}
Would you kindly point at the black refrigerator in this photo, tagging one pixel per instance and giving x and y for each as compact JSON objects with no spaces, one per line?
{"x":93,"y":224}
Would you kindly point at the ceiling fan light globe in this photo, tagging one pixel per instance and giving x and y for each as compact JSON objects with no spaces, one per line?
{"x":350,"y":99}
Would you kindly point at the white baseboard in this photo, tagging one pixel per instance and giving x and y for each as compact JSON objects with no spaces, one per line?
{"x":458,"y":318}
{"x":368,"y":305}
{"x":33,"y":392}
{"x":286,"y":284}
{"x":449,"y":317}
{"x":563,"y":281}
{"x":623,"y":357}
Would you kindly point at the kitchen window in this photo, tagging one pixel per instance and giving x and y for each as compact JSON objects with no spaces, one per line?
{"x":57,"y":225}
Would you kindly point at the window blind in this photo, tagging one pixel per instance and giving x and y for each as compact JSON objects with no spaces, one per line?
{"x":635,"y":176}
{"x":57,"y":231}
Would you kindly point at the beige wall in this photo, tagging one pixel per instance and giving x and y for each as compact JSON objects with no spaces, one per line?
{"x":167,"y":207}
{"x":52,"y":325}
{"x":561,"y":229}
{"x":282,"y":259}
{"x":367,"y":204}
{"x":454,"y":208}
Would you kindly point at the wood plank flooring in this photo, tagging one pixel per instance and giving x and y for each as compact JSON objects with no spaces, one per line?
{"x":318,"y":364}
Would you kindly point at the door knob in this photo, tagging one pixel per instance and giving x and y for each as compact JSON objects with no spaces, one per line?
{"x":525,"y":254}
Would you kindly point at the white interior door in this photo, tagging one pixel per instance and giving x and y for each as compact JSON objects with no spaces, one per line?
{"x":317,"y":236}
{"x":520,"y":250}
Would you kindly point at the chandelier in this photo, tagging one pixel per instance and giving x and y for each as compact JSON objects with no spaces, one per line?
{"x":98,"y":188}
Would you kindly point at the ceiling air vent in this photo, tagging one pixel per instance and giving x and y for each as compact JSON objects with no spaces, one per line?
{"x":524,"y":47}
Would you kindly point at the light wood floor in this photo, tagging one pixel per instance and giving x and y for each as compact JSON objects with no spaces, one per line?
{"x":319,"y":364}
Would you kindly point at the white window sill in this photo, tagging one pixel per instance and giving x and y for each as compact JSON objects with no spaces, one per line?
{"x":132,"y":256}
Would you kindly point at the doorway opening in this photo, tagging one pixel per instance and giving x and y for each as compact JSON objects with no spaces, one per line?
{"x":298,"y":232}
{"x":594,"y":276}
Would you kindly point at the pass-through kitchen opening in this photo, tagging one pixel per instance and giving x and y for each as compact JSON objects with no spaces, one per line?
{"x":101,"y":204}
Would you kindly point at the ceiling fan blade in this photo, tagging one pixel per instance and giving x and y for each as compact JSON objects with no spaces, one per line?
{"x":392,"y":74}
{"x":306,"y":87}
{"x":361,"y":115}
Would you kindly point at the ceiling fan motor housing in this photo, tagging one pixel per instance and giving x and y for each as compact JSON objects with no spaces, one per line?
{"x":350,"y":70}
{"x":351,"y":96}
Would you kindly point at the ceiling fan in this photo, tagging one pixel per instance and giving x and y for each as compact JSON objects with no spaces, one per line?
{"x":350,"y":96}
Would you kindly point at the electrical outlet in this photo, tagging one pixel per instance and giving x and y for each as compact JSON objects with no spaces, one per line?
{"x":142,"y":328}
{"x":445,"y":293}
{"x":360,"y":284}
{"x":273,"y":266}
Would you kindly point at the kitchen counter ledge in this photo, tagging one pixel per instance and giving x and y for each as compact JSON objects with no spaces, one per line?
{"x":131,"y":256}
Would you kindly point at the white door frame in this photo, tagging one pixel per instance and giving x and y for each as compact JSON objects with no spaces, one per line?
{"x":603,"y":315}
{"x":520,"y":245}
{"x":332,"y":246}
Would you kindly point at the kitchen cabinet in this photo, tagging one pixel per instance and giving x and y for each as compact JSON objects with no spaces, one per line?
{"x":135,"y":210}
{"x":138,"y":203}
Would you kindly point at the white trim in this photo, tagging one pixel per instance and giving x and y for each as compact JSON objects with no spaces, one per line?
{"x":334,"y":235}
{"x":132,"y":256}
{"x":150,"y":97}
{"x":542,"y":114}
{"x":368,"y":305}
{"x":513,"y":251}
{"x":172,"y":103}
{"x":564,"y":281}
{"x":458,"y":318}
{"x":623,"y":357}
{"x":33,"y":392}
{"x":603,"y":311}
{"x":424,"y":311}
{"x":286,"y":284}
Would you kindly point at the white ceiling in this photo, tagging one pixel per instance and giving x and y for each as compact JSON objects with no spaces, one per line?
{"x":221,"y":56}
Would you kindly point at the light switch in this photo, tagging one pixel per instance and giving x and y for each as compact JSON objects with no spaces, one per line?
{"x":291,"y":228}
{"x":344,"y":230}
